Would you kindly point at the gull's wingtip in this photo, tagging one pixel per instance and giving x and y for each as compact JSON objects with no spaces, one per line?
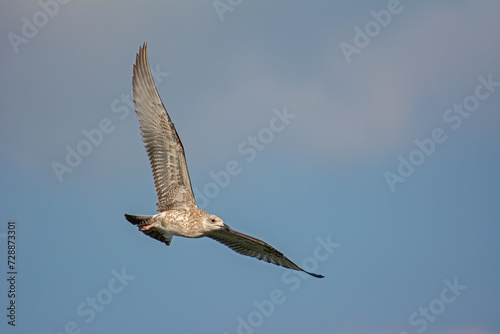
{"x":315,"y":275}
{"x":142,"y":49}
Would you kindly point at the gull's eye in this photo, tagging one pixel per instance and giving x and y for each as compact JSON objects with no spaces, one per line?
{"x":212,"y":220}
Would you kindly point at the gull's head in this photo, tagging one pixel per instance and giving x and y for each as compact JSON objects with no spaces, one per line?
{"x":213,"y":222}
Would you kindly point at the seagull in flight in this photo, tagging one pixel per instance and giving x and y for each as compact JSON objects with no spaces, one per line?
{"x":179,"y":215}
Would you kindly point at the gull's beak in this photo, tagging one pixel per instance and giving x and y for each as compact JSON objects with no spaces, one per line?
{"x":225,"y":227}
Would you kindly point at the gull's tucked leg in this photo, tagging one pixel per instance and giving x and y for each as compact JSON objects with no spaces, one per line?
{"x":147,"y":227}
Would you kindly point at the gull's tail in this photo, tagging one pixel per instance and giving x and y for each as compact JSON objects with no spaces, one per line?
{"x":150,"y":227}
{"x":137,"y":220}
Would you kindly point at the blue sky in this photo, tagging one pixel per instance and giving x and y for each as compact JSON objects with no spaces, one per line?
{"x":384,"y":177}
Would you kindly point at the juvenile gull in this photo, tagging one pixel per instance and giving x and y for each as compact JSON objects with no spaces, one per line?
{"x":178,"y":212}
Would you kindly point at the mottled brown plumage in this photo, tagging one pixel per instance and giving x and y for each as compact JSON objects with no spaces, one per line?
{"x":178,"y":212}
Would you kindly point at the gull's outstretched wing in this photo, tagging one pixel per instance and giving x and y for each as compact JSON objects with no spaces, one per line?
{"x":162,"y":143}
{"x":250,"y":246}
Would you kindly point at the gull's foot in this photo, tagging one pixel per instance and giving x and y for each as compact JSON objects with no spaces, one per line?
{"x":147,"y":227}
